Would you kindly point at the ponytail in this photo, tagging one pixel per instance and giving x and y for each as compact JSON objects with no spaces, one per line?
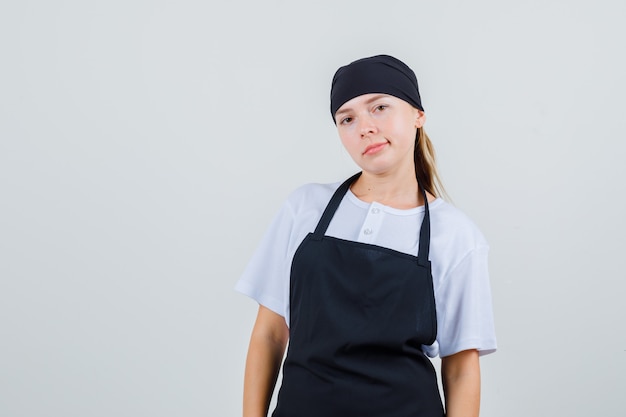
{"x":425,"y":165}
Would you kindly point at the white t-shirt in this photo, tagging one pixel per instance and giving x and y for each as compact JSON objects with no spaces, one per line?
{"x":458,"y":255}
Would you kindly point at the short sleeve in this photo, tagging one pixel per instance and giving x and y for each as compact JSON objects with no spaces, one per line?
{"x":266,"y":277}
{"x":464,"y":307}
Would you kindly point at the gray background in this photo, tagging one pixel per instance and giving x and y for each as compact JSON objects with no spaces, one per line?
{"x":145,"y":145}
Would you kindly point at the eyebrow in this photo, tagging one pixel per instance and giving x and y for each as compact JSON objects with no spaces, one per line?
{"x":368,"y":101}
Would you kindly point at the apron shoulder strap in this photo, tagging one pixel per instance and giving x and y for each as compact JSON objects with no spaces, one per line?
{"x":424,"y":247}
{"x":332,"y":206}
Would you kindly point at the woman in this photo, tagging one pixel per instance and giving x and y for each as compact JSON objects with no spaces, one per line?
{"x":352,"y":277}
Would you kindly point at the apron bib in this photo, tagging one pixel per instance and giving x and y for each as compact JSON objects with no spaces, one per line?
{"x":359,"y":314}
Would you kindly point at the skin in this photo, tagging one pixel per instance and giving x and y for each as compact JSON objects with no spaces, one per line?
{"x":265,"y":353}
{"x":460,"y":374}
{"x":378,"y":131}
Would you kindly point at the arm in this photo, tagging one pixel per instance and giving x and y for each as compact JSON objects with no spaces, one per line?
{"x":265,"y":353}
{"x":461,"y":383}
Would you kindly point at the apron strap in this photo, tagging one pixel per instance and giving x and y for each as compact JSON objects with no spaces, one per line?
{"x":424,"y":249}
{"x":329,"y":212}
{"x":332,"y":206}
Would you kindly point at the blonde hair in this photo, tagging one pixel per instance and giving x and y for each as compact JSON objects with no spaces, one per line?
{"x":426,"y":167}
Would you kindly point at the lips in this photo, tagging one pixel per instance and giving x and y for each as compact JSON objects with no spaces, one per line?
{"x":375,"y":148}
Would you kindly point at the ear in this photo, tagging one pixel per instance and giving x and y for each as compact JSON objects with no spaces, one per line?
{"x":420,"y":118}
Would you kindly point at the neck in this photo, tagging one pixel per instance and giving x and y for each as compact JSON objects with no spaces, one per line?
{"x":398,"y":190}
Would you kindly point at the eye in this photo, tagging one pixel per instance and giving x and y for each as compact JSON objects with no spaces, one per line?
{"x":381,"y":107}
{"x":345,"y":120}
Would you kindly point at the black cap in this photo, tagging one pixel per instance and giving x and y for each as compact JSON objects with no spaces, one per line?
{"x":377,"y":74}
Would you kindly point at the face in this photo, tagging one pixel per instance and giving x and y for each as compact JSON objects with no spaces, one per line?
{"x":378,"y":131}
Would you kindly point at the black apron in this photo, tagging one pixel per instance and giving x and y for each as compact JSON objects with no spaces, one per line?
{"x":359,"y":314}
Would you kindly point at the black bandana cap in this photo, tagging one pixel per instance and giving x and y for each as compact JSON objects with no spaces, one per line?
{"x":377,"y":74}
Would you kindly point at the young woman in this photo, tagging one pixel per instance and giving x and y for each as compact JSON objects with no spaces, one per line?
{"x":366,"y":278}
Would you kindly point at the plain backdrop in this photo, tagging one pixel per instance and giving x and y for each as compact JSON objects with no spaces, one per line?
{"x":145,"y":146}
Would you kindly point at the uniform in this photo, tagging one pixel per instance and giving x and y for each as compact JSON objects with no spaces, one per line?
{"x":367,"y":292}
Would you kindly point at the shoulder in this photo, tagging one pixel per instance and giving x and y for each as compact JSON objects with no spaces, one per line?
{"x":311,"y":196}
{"x":456,"y":223}
{"x":453,"y":231}
{"x":302,"y":210}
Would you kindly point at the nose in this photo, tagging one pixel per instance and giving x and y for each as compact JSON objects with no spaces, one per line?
{"x":366,"y":126}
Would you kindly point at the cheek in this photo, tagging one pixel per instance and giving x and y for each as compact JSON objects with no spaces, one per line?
{"x":402,"y":130}
{"x":347,"y":140}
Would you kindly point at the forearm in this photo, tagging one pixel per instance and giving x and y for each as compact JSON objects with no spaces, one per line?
{"x":265,"y":354}
{"x":461,"y":384}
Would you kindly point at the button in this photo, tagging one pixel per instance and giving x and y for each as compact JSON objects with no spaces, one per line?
{"x":375,"y":210}
{"x":367,"y":231}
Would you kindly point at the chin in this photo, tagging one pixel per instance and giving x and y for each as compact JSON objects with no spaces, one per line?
{"x":375,"y":170}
